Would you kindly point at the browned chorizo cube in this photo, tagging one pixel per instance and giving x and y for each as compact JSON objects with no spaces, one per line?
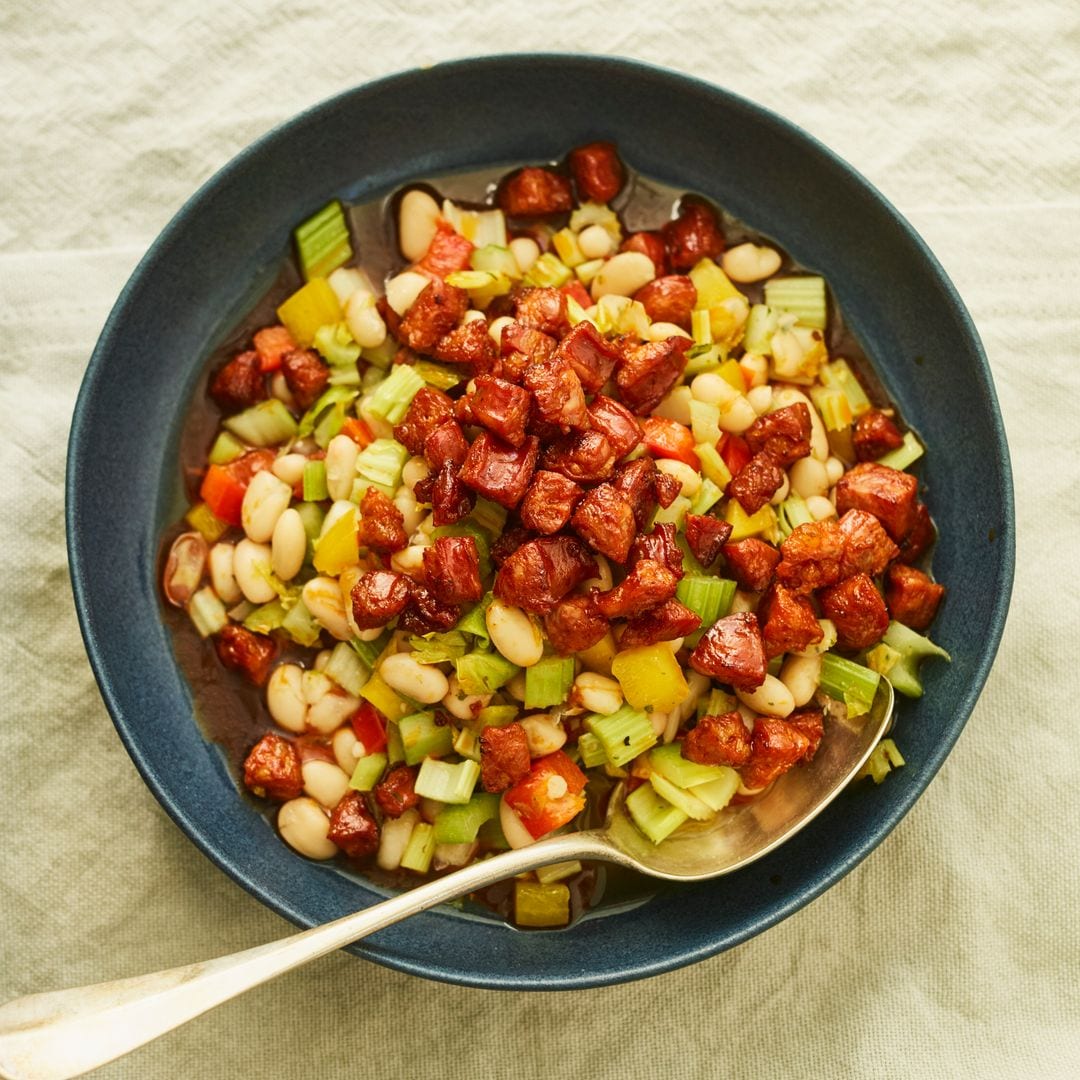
{"x":784,"y":435}
{"x":470,"y":343}
{"x":811,"y":556}
{"x":875,"y":434}
{"x":535,"y":192}
{"x":648,"y":585}
{"x":706,"y":537}
{"x":240,"y":383}
{"x":856,"y":608}
{"x":671,"y":620}
{"x":637,"y":481}
{"x":504,"y":757}
{"x":541,"y":572}
{"x":272,"y":769}
{"x":585,"y":457}
{"x":811,"y":722}
{"x":451,"y":500}
{"x":378,"y":597}
{"x":598,"y":172}
{"x":660,"y":544}
{"x":888,"y":494}
{"x":668,"y":299}
{"x":919,"y":540}
{"x":452,"y":569}
{"x":718,"y":740}
{"x":616,"y":422}
{"x":648,"y":371}
{"x":305,"y":375}
{"x":775,"y":746}
{"x":531,"y":343}
{"x":396,"y":791}
{"x":434,"y":313}
{"x":574,"y":625}
{"x":590,"y":355}
{"x":428,"y":410}
{"x":867,"y":547}
{"x":756,"y":482}
{"x":549,"y":502}
{"x":911,"y":596}
{"x":498,"y":471}
{"x":543,"y":309}
{"x":604,"y":519}
{"x":557,"y":394}
{"x":353,"y":828}
{"x":382,"y":525}
{"x":788,"y":622}
{"x":694,"y":235}
{"x":732,"y":651}
{"x":249,"y":653}
{"x":501,"y":407}
{"x":447,"y":443}
{"x":751,"y":563}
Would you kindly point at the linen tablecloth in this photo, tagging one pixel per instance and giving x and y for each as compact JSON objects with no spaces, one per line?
{"x":954,"y":950}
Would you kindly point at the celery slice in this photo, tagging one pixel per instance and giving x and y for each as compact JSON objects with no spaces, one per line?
{"x":707,"y":497}
{"x":591,"y":750}
{"x":653,"y":815}
{"x":347,"y":669}
{"x":383,"y":698}
{"x":336,"y":345}
{"x":884,"y":758}
{"x":669,"y":762}
{"x":560,"y":871}
{"x":849,"y":682}
{"x":315,"y":489}
{"x":719,"y":792}
{"x":705,"y":422}
{"x":459,"y":824}
{"x":905,"y":455}
{"x":839,"y":375}
{"x":474,"y":622}
{"x":548,"y":681}
{"x":422,"y":737}
{"x":712,"y":465}
{"x":548,"y":271}
{"x":495,"y":259}
{"x":203,"y":519}
{"x":585,"y":273}
{"x":567,"y":247}
{"x":301,"y":626}
{"x":446,"y":782}
{"x":226,"y":448}
{"x":265,"y":424}
{"x":594,"y":213}
{"x":467,"y":744}
{"x":265,"y":618}
{"x":683,"y":800}
{"x":496,"y":716}
{"x":381,"y":462}
{"x":623,"y":734}
{"x":420,"y":848}
{"x":899,"y":655}
{"x":792,"y":513}
{"x":835,"y":409}
{"x":761,"y":324}
{"x":207,"y":612}
{"x":707,"y":596}
{"x":541,"y":905}
{"x":322,"y":242}
{"x":489,"y":516}
{"x":392,"y":396}
{"x":803,"y":296}
{"x":675,"y":513}
{"x":368,"y":772}
{"x":701,"y":327}
{"x":332,"y":396}
{"x":438,"y":375}
{"x":395,"y":748}
{"x":437,"y":648}
{"x":483,"y":673}
{"x":370,"y":651}
{"x":717,"y":703}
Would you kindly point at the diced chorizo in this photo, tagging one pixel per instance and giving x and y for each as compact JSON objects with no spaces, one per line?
{"x":637,"y":481}
{"x":775,"y":746}
{"x":867,"y":547}
{"x":240,"y":383}
{"x":396,"y":791}
{"x":648,"y":585}
{"x":558,"y":394}
{"x":382,"y":524}
{"x":451,"y":500}
{"x":452,"y":569}
{"x":756,"y":482}
{"x":706,"y":536}
{"x":542,"y":308}
{"x":875,"y":434}
{"x":272,"y":343}
{"x":447,"y":443}
{"x":592,"y":357}
{"x":549,"y":502}
{"x":429,"y":409}
{"x":660,"y":545}
{"x":447,"y":252}
{"x":582,"y":456}
{"x":718,"y":740}
{"x":784,"y":435}
{"x":911,"y":596}
{"x":668,"y":488}
{"x":541,"y":572}
{"x":353,"y":828}
{"x":811,"y":556}
{"x":535,"y":192}
{"x":499,"y":471}
{"x":508,"y":541}
{"x":527,"y":340}
{"x":732,"y":651}
{"x":604,"y":519}
{"x":425,"y":613}
{"x":649,"y":370}
{"x":504,"y":757}
{"x":433,"y":314}
{"x":670,"y":620}
{"x":470,"y":343}
{"x":598,"y":173}
{"x":669,"y":299}
{"x":305,"y":375}
{"x":751,"y":563}
{"x":501,"y":407}
{"x":272,"y":769}
{"x":574,"y":624}
{"x":811,"y":722}
{"x":378,"y":597}
{"x":694,"y":235}
{"x":918,"y":541}
{"x":616,"y":422}
{"x":857,"y":610}
{"x":249,"y":653}
{"x":788,"y":622}
{"x":651,"y":244}
{"x":888,"y":494}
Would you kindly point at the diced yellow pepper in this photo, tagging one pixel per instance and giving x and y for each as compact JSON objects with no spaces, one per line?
{"x":650,"y":677}
{"x":566,"y":244}
{"x":338,"y":548}
{"x":201,"y":517}
{"x":712,"y":284}
{"x":384,"y":699}
{"x":744,"y":525}
{"x":311,"y":306}
{"x":732,"y":374}
{"x":541,"y":905}
{"x":598,"y":657}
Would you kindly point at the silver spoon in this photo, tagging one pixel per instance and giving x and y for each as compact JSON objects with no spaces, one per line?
{"x":65,"y":1033}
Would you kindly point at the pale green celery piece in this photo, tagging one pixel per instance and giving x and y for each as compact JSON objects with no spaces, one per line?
{"x":419,"y":849}
{"x":474,"y":622}
{"x":674,"y":513}
{"x":368,"y":771}
{"x":391,"y":398}
{"x":560,"y":871}
{"x":331,"y":396}
{"x":381,"y":463}
{"x":495,"y":260}
{"x":226,"y":448}
{"x":761,"y":324}
{"x":336,"y":345}
{"x":884,"y":758}
{"x":593,"y":213}
{"x":586,"y":271}
{"x":496,"y":716}
{"x":910,"y":649}
{"x":707,"y":497}
{"x":265,"y":424}
{"x":623,"y":734}
{"x":330,"y":424}
{"x":483,"y":673}
{"x":207,"y":612}
{"x":718,"y":793}
{"x":792,"y":513}
{"x":312,"y":515}
{"x":395,"y":744}
{"x":381,"y":356}
{"x":548,"y":271}
{"x":347,"y":669}
{"x":701,"y":327}
{"x":705,"y":421}
{"x":591,"y":750}
{"x":702,"y":358}
{"x":685,"y":801}
{"x":467,"y":744}
{"x":838,"y":374}
{"x":472,"y":279}
{"x":575,"y":313}
{"x":717,"y":703}
{"x":707,"y":596}
{"x":315,"y":489}
{"x":266,"y":617}
{"x":346,"y":376}
{"x":903,"y":456}
{"x":370,"y":651}
{"x":668,"y":761}
{"x":421,"y":737}
{"x":459,"y":824}
{"x":446,"y":782}
{"x":322,"y":242}
{"x":851,"y":683}
{"x":548,"y":681}
{"x":652,"y":814}
{"x":489,"y":515}
{"x":438,"y":375}
{"x":803,"y":296}
{"x":712,"y":465}
{"x":301,"y":626}
{"x":437,"y":648}
{"x":832,"y":403}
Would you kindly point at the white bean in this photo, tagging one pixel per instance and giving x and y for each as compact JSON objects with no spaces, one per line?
{"x":801,"y":675}
{"x":760,"y":397}
{"x":661,"y":331}
{"x":834,"y":469}
{"x":324,"y":782}
{"x":828,"y":640}
{"x":221,"y":573}
{"x":809,"y":477}
{"x":543,"y":735}
{"x":771,"y":698}
{"x":595,"y":242}
{"x":279,"y":389}
{"x":623,"y":275}
{"x":409,"y":560}
{"x":264,"y":502}
{"x":285,"y":697}
{"x":422,"y":682}
{"x":819,"y":439}
{"x":676,"y":406}
{"x":394,"y":838}
{"x":517,"y":836}
{"x":405,"y":501}
{"x":322,"y":658}
{"x":689,"y":477}
{"x":659,"y":721}
{"x":525,"y":251}
{"x":364,"y":321}
{"x":304,"y":826}
{"x":288,"y":545}
{"x":736,"y":415}
{"x":463,"y":706}
{"x":348,"y":749}
{"x":750,"y":262}
{"x":346,"y":281}
{"x":602,"y":580}
{"x":713,"y":389}
{"x":743,"y":601}
{"x":251,"y":565}
{"x":820,"y":507}
{"x":514,"y":634}
{"x":322,"y":597}
{"x":418,"y":221}
{"x":495,"y":329}
{"x":316,"y":684}
{"x":597,"y":693}
{"x":341,"y":455}
{"x":472,"y":315}
{"x":416,"y":468}
{"x":781,"y":492}
{"x":516,"y":686}
{"x":331,"y":711}
{"x":403,"y":289}
{"x":289,"y":468}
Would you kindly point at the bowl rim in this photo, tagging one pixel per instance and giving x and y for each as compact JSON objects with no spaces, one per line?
{"x":430,"y":968}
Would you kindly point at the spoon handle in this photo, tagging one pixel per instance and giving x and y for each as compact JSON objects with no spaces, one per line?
{"x":65,"y":1033}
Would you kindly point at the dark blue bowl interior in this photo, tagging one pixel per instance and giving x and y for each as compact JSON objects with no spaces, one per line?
{"x":197,"y":278}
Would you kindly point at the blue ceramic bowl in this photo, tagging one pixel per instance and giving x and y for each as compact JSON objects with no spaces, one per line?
{"x":219,"y":251}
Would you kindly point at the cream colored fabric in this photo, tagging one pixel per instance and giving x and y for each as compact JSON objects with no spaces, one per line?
{"x":954,"y":950}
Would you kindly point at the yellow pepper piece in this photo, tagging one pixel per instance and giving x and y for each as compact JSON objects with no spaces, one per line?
{"x":598,"y":657}
{"x":712,"y":284}
{"x":338,"y":548}
{"x":311,"y":306}
{"x":650,"y":677}
{"x":541,"y":905}
{"x":731,"y":373}
{"x":744,"y":525}
{"x":384,"y":699}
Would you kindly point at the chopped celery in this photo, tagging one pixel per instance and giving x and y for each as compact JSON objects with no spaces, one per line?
{"x":322,"y":242}
{"x":420,"y":848}
{"x":445,"y":782}
{"x":208,"y":524}
{"x":653,"y":815}
{"x":311,"y":306}
{"x":792,"y":513}
{"x":383,"y":698}
{"x":485,"y":228}
{"x":548,"y":271}
{"x":905,"y":455}
{"x":301,"y":626}
{"x":370,"y":651}
{"x":381,"y":462}
{"x":265,"y":618}
{"x":381,"y":356}
{"x":620,"y":315}
{"x":763,"y":523}
{"x":548,"y":681}
{"x":591,"y":750}
{"x":838,"y":374}
{"x":675,"y":513}
{"x":207,"y":612}
{"x":395,"y":748}
{"x":496,"y":716}
{"x":718,"y":793}
{"x":835,"y":409}
{"x":803,"y":296}
{"x":437,"y":648}
{"x":707,"y":596}
{"x":585,"y":272}
{"x":707,"y":497}
{"x":650,"y":677}
{"x":467,"y":744}
{"x":683,"y":800}
{"x":705,"y":422}
{"x":476,"y":280}
{"x":712,"y":465}
{"x":368,"y":771}
{"x":700,"y":327}
{"x":421,"y":737}
{"x":567,"y":248}
{"x":541,"y":905}
{"x":560,"y":871}
{"x":900,"y":663}
{"x":474,"y":622}
{"x":594,"y":213}
{"x":761,"y":324}
{"x":438,"y":375}
{"x":672,"y":766}
{"x":884,"y":758}
{"x":226,"y":448}
{"x":849,"y":682}
{"x":315,"y":481}
{"x":483,"y":673}
{"x":392,"y":396}
{"x":623,"y":734}
{"x":495,"y":259}
{"x":338,"y":547}
{"x":489,"y":516}
{"x":347,"y":669}
{"x":330,"y":424}
{"x":346,"y":376}
{"x":265,"y":424}
{"x":313,"y":516}
{"x":717,"y":703}
{"x":702,"y":358}
{"x":332,"y":396}
{"x":460,"y":824}
{"x":336,"y":345}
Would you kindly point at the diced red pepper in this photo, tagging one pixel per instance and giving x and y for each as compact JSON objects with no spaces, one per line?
{"x":449,"y":251}
{"x":550,"y":796}
{"x":369,"y":727}
{"x":734,"y":451}
{"x":579,"y":293}
{"x":358,"y":431}
{"x":223,"y":486}
{"x":272,"y":343}
{"x":670,"y":439}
